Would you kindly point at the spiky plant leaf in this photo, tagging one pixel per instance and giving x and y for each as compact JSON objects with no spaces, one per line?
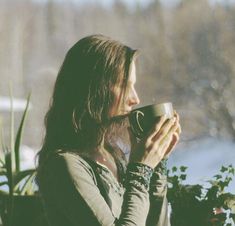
{"x":3,"y":146}
{"x":18,"y":177}
{"x":3,"y":193}
{"x":9,"y":173}
{"x":26,"y":189}
{"x":3,"y":171}
{"x":19,"y":136}
{"x":12,"y":144}
{"x":3,"y":183}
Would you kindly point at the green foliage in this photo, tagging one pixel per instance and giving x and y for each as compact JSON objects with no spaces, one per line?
{"x":16,"y":179}
{"x":19,"y":182}
{"x":223,"y":179}
{"x":193,"y":205}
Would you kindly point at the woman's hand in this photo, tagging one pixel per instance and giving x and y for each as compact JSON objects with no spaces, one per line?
{"x":158,"y":144}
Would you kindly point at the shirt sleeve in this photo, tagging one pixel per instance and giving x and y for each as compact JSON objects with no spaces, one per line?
{"x":69,"y":186}
{"x":158,"y":212}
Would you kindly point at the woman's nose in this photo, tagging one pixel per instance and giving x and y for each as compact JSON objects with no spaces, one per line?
{"x":134,"y":99}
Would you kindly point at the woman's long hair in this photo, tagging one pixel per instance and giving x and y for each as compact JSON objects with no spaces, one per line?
{"x":84,"y":93}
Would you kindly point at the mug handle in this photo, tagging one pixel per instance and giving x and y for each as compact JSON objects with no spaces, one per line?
{"x":136,"y":127}
{"x":138,"y":114}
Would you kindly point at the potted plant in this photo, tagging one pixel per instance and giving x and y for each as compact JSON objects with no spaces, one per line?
{"x":19,"y":204}
{"x":198,"y":205}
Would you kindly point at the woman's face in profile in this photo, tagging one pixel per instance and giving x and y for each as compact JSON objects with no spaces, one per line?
{"x":124,"y":104}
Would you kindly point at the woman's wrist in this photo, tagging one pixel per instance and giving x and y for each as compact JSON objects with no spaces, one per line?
{"x":161,"y":167}
{"x":138,"y":175}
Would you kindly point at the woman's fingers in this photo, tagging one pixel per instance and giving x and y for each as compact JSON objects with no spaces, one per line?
{"x":175,"y":137}
{"x":165,"y":129}
{"x":178,"y":131}
{"x":159,"y":143}
{"x":170,"y":148}
{"x":167,"y":138}
{"x":177,"y":119}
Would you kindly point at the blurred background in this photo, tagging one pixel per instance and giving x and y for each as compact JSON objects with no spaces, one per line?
{"x":187,"y":57}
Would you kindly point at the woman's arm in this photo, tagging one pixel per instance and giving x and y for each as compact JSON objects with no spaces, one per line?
{"x":70,"y":188}
{"x":158,"y":213}
{"x":69,"y":185}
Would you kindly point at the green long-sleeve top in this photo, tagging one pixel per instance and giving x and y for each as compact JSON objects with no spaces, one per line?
{"x":77,"y":192}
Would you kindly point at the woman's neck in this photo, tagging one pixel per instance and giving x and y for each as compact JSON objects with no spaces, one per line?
{"x":102,"y":155}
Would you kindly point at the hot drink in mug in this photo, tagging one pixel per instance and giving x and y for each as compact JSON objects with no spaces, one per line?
{"x":142,"y":119}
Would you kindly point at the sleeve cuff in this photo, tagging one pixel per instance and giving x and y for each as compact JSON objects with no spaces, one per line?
{"x":138,"y":175}
{"x":161,"y":167}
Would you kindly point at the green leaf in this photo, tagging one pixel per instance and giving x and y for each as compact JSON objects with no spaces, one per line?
{"x":12,"y":134}
{"x":18,"y":177}
{"x":227,"y":178}
{"x":3,"y":183}
{"x":218,"y":176}
{"x":3,"y":193}
{"x":3,"y":147}
{"x":183,"y":176}
{"x":175,"y":179}
{"x":226,"y":184}
{"x":168,"y":171}
{"x":232,"y":170}
{"x":222,"y":185}
{"x":27,"y":187}
{"x":19,"y":136}
{"x":3,"y":172}
{"x":223,"y":169}
{"x":174,"y":169}
{"x":9,"y":173}
{"x":2,"y":162}
{"x":183,"y":168}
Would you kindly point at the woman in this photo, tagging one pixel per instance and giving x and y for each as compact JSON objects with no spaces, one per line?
{"x":83,"y":175}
